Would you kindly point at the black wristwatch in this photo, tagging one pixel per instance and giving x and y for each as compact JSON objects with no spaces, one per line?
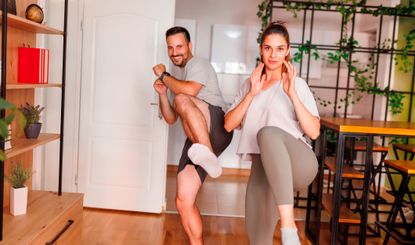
{"x":165,"y":73}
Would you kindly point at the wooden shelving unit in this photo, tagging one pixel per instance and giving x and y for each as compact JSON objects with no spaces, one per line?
{"x":30,"y":26}
{"x":46,"y":215}
{"x":52,"y":217}
{"x":32,"y":86}
{"x":22,"y":145}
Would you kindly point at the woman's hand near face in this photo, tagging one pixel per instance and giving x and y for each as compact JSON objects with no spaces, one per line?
{"x":308,"y":122}
{"x":288,"y":79}
{"x":234,"y":117}
{"x":257,"y":79}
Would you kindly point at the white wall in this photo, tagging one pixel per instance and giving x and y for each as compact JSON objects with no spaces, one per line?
{"x":209,"y":12}
{"x":54,"y":18}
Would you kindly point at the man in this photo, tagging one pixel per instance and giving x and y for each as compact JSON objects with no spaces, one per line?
{"x":200,"y":106}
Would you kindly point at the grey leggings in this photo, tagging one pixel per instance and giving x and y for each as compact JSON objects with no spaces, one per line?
{"x":285,"y":165}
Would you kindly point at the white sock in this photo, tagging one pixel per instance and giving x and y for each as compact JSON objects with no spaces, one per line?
{"x":202,"y":156}
{"x":289,"y":236}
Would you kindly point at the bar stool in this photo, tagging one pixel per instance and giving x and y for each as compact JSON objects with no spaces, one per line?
{"x":407,"y":148}
{"x":360,"y":146}
{"x":407,"y":170}
{"x":377,"y":170}
{"x":348,"y":216}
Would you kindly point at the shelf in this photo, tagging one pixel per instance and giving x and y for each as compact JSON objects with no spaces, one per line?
{"x":22,"y":144}
{"x":348,"y":171}
{"x":49,"y":215}
{"x":27,"y":25}
{"x":361,"y":146}
{"x":46,"y":210}
{"x":12,"y":86}
{"x":405,"y":147}
{"x":346,"y":215}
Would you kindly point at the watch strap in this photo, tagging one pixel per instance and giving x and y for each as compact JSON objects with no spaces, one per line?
{"x":165,"y":73}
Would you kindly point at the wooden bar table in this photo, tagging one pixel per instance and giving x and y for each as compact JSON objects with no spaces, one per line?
{"x":353,"y":128}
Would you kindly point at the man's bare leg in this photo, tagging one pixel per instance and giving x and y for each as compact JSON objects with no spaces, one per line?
{"x":188,"y":185}
{"x":195,"y":118}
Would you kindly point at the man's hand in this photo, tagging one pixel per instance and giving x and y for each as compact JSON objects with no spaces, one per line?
{"x":160,"y":88}
{"x":159,"y":69}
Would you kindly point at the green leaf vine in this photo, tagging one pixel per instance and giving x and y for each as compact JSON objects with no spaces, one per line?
{"x":264,"y":15}
{"x":307,"y":48}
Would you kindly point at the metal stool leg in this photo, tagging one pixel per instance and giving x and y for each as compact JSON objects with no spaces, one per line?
{"x":396,"y":206}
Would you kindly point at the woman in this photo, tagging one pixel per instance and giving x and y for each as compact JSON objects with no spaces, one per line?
{"x":274,"y":109}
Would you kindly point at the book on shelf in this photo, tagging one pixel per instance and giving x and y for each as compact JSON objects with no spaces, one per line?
{"x":7,"y":144}
{"x":33,"y":65}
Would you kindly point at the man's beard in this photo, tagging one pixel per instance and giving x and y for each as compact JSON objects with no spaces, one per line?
{"x":180,"y":63}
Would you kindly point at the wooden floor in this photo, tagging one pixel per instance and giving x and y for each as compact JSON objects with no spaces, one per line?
{"x":116,"y":227}
{"x":224,"y":196}
{"x":104,"y":227}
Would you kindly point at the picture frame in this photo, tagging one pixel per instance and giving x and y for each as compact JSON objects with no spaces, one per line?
{"x":11,"y":6}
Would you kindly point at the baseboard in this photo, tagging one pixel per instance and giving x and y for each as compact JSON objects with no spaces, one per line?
{"x":225,"y":171}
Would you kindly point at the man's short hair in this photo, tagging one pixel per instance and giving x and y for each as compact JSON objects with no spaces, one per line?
{"x":177,"y":30}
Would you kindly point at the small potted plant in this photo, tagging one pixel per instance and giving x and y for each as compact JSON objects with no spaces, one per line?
{"x":18,"y":191}
{"x":33,"y":125}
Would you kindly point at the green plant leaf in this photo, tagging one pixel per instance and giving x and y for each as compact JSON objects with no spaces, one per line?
{"x":4,"y":104}
{"x":9,"y":118}
{"x":2,"y":155}
{"x":4,"y":130}
{"x":18,"y":176}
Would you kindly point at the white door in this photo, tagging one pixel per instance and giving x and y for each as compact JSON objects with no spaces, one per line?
{"x":123,"y":142}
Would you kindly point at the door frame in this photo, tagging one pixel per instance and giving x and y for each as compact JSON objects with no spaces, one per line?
{"x":71,"y":145}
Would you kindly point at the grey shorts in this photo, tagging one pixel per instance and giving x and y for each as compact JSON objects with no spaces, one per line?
{"x":219,"y":138}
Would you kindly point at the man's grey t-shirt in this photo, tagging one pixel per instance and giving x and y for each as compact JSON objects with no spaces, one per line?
{"x":200,"y":70}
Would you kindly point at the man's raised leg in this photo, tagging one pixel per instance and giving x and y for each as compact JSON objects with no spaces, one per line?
{"x":195,"y":117}
{"x":188,"y":185}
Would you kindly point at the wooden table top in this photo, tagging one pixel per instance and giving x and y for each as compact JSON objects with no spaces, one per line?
{"x":348,"y":125}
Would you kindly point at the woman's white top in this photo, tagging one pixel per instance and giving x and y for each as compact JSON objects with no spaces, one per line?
{"x":271,"y":107}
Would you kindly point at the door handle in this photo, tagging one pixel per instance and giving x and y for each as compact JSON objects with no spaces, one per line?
{"x":68,"y":224}
{"x":159,"y":112}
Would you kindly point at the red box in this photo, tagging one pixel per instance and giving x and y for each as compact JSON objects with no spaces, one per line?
{"x":33,"y":65}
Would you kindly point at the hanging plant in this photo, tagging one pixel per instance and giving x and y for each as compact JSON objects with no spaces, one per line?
{"x":264,"y":15}
{"x":294,"y":8}
{"x":402,"y":60}
{"x":307,"y":48}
